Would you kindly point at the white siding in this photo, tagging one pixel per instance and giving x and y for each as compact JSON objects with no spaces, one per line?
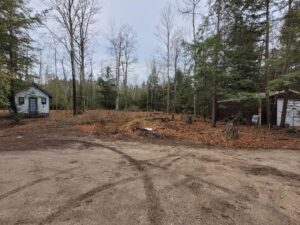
{"x":293,"y":112}
{"x":32,"y":92}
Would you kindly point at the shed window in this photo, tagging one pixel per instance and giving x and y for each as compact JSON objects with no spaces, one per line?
{"x":21,"y":100}
{"x":44,"y":101}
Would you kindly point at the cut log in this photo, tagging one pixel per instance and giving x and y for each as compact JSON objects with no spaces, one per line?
{"x":148,"y":133}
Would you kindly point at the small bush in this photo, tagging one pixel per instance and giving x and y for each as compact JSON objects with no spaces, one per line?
{"x":16,"y":117}
{"x":291,"y":130}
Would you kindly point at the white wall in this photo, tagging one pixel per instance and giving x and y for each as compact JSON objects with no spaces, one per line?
{"x":292,"y":115}
{"x":32,"y":92}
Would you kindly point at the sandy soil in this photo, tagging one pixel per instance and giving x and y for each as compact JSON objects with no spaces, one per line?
{"x":88,"y":181}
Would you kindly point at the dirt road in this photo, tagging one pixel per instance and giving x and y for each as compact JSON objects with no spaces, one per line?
{"x":87,"y":181}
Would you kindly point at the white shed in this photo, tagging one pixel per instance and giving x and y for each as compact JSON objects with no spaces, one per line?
{"x":292,"y":114}
{"x":33,"y":101}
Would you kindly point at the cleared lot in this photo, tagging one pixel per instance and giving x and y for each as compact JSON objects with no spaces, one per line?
{"x":87,"y":181}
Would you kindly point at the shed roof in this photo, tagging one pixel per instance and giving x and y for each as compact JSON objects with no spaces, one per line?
{"x":38,"y":87}
{"x":259,"y":95}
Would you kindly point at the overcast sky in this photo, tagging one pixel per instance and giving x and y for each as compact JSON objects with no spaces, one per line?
{"x":142,"y":15}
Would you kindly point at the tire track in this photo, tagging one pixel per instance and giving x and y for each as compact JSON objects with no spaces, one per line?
{"x":74,"y":202}
{"x":183,"y":182}
{"x":155,"y":211}
{"x":32,"y":183}
{"x":189,"y":177}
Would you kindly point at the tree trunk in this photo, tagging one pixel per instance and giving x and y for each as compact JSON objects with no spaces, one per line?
{"x":204,"y":100}
{"x":195,"y":61}
{"x":82,"y":75}
{"x":12,"y":96}
{"x":66,"y":84}
{"x":117,"y":81}
{"x":126,"y":86}
{"x":195,"y":91}
{"x":268,"y":110}
{"x":175,"y":96}
{"x":147,"y":99}
{"x":284,"y":110}
{"x":267,"y":41}
{"x":168,"y":74}
{"x":175,"y":83}
{"x":214,"y":94}
{"x":214,"y":111}
{"x":56,"y":77}
{"x":13,"y":70}
{"x":72,"y":57}
{"x":153,"y":99}
{"x":285,"y":71}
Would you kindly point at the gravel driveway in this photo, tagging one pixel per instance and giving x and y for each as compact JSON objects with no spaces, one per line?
{"x":88,"y":181}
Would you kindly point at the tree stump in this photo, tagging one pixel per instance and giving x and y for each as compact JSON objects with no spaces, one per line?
{"x":188,"y":120}
{"x":231,"y":131}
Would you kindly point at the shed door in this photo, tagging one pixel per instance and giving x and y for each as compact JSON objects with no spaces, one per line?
{"x":32,"y":105}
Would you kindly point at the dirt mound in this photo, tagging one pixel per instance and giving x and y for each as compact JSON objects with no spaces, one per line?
{"x":118,"y":124}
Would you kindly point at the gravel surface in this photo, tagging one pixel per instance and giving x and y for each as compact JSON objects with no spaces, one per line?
{"x":70,"y":180}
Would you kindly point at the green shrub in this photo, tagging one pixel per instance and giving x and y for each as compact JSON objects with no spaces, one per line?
{"x":16,"y":117}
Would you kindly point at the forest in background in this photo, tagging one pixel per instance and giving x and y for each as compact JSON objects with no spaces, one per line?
{"x":239,"y":48}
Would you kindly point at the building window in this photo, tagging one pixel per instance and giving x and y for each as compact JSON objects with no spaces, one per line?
{"x":21,"y":100}
{"x":44,"y":101}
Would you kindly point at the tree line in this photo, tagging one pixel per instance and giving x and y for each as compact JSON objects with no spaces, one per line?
{"x":232,"y":49}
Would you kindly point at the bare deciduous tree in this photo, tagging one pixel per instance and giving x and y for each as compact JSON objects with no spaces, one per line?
{"x":65,"y":14}
{"x":165,"y":31}
{"x":123,"y":48}
{"x":190,"y":8}
{"x":176,"y":47}
{"x":87,"y":10}
{"x":130,"y":44}
{"x":75,"y":18}
{"x":116,"y":49}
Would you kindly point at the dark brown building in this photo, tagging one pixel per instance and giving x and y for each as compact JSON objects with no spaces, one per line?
{"x":249,"y":106}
